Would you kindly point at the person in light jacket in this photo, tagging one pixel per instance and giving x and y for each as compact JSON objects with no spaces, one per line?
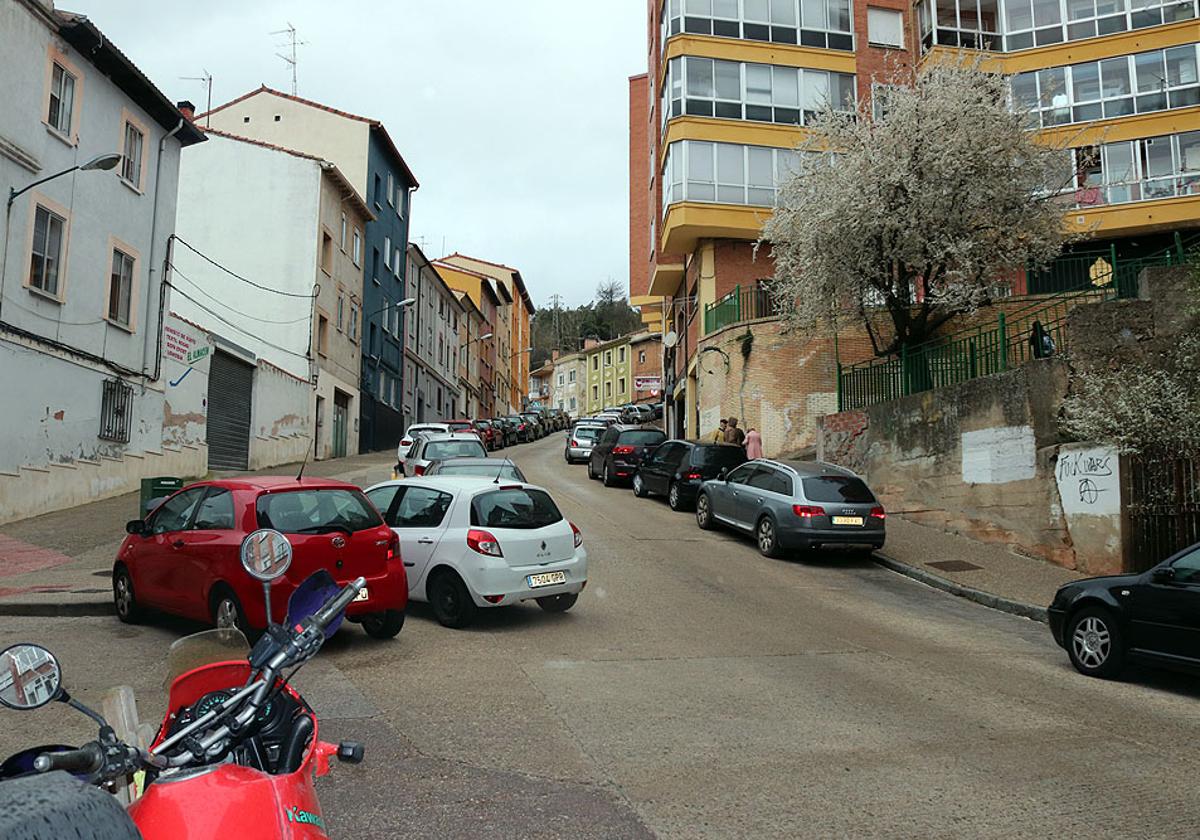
{"x":753,"y":444}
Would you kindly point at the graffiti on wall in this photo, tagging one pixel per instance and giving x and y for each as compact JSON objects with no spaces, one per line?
{"x":1089,"y":480}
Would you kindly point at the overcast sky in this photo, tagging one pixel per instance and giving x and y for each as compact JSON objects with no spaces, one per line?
{"x":513,"y":114}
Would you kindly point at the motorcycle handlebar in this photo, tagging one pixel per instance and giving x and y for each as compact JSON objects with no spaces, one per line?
{"x":325,"y":616}
{"x":87,"y":759}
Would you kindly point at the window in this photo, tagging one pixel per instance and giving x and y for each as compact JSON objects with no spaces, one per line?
{"x":353,"y":323}
{"x":116,"y":411}
{"x":131,"y":159}
{"x":357,"y":248}
{"x":62,"y":99}
{"x":524,"y":508}
{"x":561,"y":380}
{"x":572,"y":403}
{"x":595,"y":363}
{"x":342,"y":240}
{"x":570,"y":376}
{"x":397,"y":264}
{"x":215,"y":513}
{"x":341,"y":303}
{"x":120,"y":288}
{"x":621,"y":355}
{"x":608,"y":358}
{"x":422,"y":507}
{"x":382,"y":498}
{"x":621,"y":385}
{"x":642,"y":357}
{"x":811,"y":23}
{"x":326,"y":253}
{"x":608,"y":389}
{"x":322,"y":334}
{"x":885,"y":27}
{"x":1137,"y":170}
{"x":375,"y":196}
{"x":49,"y":232}
{"x":745,"y":174}
{"x":317,"y":511}
{"x":1187,"y":568}
{"x":836,"y":488}
{"x":595,"y":392}
{"x":742,"y":474}
{"x":175,"y":513}
{"x":390,"y":190}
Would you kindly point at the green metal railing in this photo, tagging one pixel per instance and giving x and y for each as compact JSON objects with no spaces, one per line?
{"x":993,"y":348}
{"x":742,"y":304}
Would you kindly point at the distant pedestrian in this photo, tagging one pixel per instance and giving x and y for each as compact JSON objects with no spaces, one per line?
{"x":733,"y":434}
{"x":753,"y":444}
{"x":719,"y":435}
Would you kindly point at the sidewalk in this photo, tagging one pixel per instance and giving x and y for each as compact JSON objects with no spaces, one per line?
{"x":60,"y":564}
{"x":986,"y":573}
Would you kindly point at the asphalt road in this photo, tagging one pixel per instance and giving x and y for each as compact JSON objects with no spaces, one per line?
{"x":700,"y":690}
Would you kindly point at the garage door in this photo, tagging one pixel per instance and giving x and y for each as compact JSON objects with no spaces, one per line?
{"x":230,"y":382}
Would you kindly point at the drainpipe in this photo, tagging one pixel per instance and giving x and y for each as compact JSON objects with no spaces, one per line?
{"x":162,"y":292}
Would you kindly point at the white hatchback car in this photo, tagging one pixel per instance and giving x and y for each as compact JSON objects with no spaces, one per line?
{"x":470,"y":543}
{"x":410,"y":437}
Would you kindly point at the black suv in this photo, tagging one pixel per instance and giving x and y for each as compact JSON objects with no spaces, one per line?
{"x":620,"y":450}
{"x":678,"y":468}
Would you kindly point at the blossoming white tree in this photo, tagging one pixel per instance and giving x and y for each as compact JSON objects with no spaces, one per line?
{"x":923,"y":212}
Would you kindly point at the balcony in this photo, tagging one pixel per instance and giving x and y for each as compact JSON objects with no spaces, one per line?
{"x":742,"y":304}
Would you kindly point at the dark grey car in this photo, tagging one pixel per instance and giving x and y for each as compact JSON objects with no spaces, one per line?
{"x":793,"y":505}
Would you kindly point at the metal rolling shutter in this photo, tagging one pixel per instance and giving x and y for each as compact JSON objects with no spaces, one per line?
{"x":230,"y":382}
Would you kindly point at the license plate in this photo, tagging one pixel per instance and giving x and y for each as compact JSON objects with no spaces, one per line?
{"x":848,"y":520}
{"x":546,"y":579}
{"x":362,"y":595}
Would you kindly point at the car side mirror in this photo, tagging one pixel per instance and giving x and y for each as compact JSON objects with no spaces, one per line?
{"x":723,"y":475}
{"x":1164,"y":574}
{"x":137,"y":527}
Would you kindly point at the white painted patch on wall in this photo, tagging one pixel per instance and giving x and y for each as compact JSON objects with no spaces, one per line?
{"x":821,"y":403}
{"x":998,"y":455}
{"x":1089,"y":480}
{"x":710,"y":419}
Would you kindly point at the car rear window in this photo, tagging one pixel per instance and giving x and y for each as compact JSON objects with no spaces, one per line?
{"x":514,"y":507}
{"x":440,"y":450}
{"x":317,"y":511}
{"x":837,"y":488}
{"x":642,"y":437}
{"x":587,"y":433}
{"x":718,"y":456}
{"x":459,"y":427}
{"x":506,"y":472}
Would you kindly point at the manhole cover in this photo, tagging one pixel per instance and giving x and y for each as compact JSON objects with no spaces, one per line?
{"x":954,"y":566}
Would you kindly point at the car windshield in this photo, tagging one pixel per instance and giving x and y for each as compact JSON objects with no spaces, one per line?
{"x":642,"y":437}
{"x":514,"y":507}
{"x":506,"y":472}
{"x":317,"y":511}
{"x":440,"y":450}
{"x":587,"y":433}
{"x":718,"y":456}
{"x":837,"y":488}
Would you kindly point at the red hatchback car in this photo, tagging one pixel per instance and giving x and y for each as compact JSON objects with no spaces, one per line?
{"x":184,"y":558}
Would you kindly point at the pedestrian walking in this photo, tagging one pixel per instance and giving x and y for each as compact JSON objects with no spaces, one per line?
{"x":733,"y":434}
{"x":753,"y":444}
{"x":719,"y":435}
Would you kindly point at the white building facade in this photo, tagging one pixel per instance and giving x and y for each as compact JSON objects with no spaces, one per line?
{"x":431,"y":344}
{"x":81,"y":280}
{"x":568,"y":383}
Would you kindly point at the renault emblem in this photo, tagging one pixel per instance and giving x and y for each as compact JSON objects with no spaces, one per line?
{"x":543,"y":545}
{"x":339,"y":542}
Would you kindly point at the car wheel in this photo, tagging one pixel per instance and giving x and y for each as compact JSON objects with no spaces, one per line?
{"x":558,"y":603}
{"x":123,"y":599}
{"x":768,"y":540}
{"x":1095,"y":644}
{"x":591,"y":470}
{"x":639,"y":486}
{"x":384,"y":625}
{"x":674,"y":499}
{"x":450,"y":600}
{"x":704,"y":516}
{"x":608,"y":479}
{"x":227,"y":611}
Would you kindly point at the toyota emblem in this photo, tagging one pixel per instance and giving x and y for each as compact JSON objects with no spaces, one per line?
{"x":339,"y":542}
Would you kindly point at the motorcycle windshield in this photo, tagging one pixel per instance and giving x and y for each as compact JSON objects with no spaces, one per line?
{"x":224,"y":644}
{"x":310,"y":596}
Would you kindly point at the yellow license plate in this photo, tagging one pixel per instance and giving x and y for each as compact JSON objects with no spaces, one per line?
{"x":848,"y":520}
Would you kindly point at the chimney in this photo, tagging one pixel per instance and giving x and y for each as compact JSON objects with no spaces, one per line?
{"x":187,"y":109}
{"x":554,"y":355}
{"x":590,"y":342}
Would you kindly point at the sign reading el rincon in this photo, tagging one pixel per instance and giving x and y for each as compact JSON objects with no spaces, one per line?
{"x":198,"y":353}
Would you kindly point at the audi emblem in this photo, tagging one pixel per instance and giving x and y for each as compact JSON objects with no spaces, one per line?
{"x":339,"y":542}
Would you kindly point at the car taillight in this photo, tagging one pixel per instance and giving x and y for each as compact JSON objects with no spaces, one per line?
{"x":482,"y":542}
{"x":694,"y":476}
{"x":574,"y":442}
{"x":393,"y":552}
{"x":808,"y":511}
{"x":578,"y":535}
{"x":406,"y":442}
{"x":521,"y":428}
{"x":878,"y":512}
{"x":418,"y":470}
{"x":622,"y":450}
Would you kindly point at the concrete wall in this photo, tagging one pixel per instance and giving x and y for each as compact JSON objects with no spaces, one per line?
{"x":281,"y":417}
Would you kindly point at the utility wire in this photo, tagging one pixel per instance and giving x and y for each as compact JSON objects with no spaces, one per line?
{"x":175,"y":270}
{"x":210,"y":260}
{"x":242,"y":330}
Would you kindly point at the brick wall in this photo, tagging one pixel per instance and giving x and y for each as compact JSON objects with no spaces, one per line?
{"x":879,"y":63}
{"x":737,"y":265}
{"x":639,"y":177}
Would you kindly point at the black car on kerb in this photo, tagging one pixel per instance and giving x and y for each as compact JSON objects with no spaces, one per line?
{"x":678,"y":468}
{"x":1153,"y":617}
{"x":620,"y":450}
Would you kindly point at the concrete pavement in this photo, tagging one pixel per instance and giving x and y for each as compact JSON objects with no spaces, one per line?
{"x":700,"y":690}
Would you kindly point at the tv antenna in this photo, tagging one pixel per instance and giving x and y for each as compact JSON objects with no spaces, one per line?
{"x":207,"y":80}
{"x":290,"y":56}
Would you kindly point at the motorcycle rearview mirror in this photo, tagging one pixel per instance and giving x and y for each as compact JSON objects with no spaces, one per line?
{"x":266,"y":556}
{"x":30,"y":677}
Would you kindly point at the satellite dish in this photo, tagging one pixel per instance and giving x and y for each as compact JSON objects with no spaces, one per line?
{"x":670,"y":339}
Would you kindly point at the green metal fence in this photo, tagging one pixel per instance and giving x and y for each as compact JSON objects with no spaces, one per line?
{"x":1005,"y":343}
{"x":741,"y":304}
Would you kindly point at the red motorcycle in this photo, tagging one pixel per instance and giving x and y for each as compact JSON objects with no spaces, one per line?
{"x":237,"y":752}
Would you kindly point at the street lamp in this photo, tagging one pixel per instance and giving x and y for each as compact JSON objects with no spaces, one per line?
{"x":100,"y":162}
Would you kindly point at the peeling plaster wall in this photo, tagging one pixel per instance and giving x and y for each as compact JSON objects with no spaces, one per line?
{"x":281,"y":418}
